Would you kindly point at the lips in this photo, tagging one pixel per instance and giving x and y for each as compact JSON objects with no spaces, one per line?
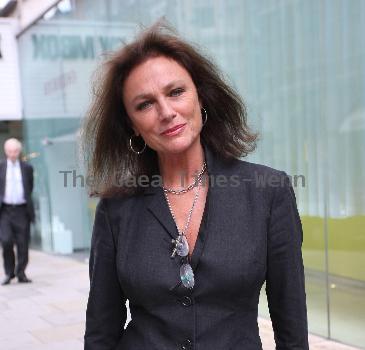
{"x":168,"y":131}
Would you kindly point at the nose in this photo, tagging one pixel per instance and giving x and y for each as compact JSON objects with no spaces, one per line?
{"x":165,"y":110}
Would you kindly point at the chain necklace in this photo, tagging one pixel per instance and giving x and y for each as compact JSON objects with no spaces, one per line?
{"x":181,"y":245}
{"x":191,"y":186}
{"x":182,"y":232}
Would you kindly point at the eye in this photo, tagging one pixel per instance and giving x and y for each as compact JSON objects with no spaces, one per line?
{"x":143,"y":105}
{"x":176,"y":92}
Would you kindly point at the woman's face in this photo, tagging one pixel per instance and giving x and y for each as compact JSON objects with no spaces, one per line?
{"x":158,"y":95}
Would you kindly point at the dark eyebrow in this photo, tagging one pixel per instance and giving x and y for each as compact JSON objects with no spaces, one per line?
{"x":166,"y":88}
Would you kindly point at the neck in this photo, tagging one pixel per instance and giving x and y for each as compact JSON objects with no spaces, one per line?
{"x":179,"y":170}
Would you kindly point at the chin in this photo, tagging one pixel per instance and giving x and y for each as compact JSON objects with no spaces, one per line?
{"x":179,"y":146}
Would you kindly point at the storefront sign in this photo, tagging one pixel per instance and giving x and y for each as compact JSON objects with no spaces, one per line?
{"x":71,"y":47}
{"x":57,"y":64}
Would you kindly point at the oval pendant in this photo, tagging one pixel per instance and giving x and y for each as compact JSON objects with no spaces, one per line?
{"x":182,"y":246}
{"x":187,"y":276}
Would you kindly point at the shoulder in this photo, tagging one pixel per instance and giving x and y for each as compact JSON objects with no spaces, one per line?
{"x":260,"y":183}
{"x":26,"y":165}
{"x":258,"y":176}
{"x":254,"y":169}
{"x":118,"y":206}
{"x":114,"y":212}
{"x":276,"y":185}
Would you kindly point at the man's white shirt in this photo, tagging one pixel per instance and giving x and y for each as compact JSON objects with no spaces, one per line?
{"x":14,"y":190}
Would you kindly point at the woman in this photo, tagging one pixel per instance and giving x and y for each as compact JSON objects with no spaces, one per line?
{"x":185,"y":230}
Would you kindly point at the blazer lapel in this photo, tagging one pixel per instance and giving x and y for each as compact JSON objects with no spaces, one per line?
{"x":3,"y":177}
{"x":22,"y":170}
{"x":156,"y":203}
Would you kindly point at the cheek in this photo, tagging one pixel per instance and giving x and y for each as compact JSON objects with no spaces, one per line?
{"x":191,"y":109}
{"x":195,"y":125}
{"x":144,"y":124}
{"x":197,"y":117}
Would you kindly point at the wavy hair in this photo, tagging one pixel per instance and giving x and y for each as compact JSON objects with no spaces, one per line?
{"x":107,"y":128}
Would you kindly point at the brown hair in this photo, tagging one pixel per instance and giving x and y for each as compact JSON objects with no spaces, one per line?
{"x":107,"y":128}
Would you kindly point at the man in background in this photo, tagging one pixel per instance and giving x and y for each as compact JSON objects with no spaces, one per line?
{"x":16,"y":211}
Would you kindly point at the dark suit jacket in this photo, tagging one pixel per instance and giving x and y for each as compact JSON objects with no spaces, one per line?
{"x":250,"y":233}
{"x":27,"y":176}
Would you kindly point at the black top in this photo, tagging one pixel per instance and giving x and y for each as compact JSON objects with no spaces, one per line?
{"x":250,"y":232}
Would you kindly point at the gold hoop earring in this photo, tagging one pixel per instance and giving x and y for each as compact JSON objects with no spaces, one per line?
{"x":131,"y":147}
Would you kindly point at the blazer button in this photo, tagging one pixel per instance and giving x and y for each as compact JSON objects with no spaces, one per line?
{"x":186,"y":345}
{"x":186,"y":301}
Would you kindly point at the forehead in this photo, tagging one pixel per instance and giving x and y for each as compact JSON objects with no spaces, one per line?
{"x":158,"y":71}
{"x":12,"y":146}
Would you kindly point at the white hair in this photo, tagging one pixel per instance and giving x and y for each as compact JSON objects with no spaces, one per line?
{"x":13,"y":142}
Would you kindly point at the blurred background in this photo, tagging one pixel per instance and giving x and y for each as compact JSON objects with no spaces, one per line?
{"x":300,"y":67}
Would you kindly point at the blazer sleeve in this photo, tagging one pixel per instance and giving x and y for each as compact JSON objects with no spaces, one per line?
{"x":30,"y":178}
{"x":285,"y":284}
{"x":106,"y":310}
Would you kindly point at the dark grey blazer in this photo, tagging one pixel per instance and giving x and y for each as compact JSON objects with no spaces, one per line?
{"x":27,"y":178}
{"x":250,"y":232}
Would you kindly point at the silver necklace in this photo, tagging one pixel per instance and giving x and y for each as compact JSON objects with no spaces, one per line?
{"x":181,"y":245}
{"x":191,"y":186}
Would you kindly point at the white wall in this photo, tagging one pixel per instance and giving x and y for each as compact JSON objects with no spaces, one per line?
{"x":28,"y":11}
{"x":10,"y":99}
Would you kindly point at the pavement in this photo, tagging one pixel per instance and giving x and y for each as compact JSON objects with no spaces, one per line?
{"x":50,"y":312}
